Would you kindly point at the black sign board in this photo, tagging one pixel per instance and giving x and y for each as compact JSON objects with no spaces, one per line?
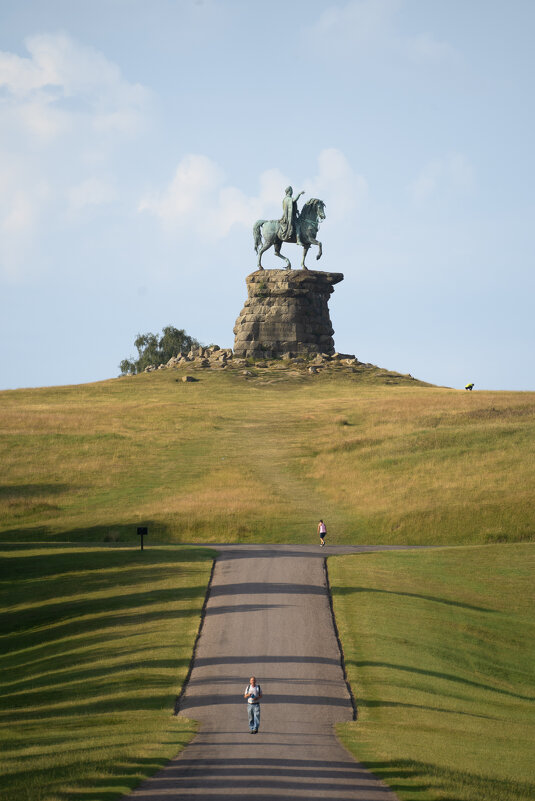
{"x":142,"y":532}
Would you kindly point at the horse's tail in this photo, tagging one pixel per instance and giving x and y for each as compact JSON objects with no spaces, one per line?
{"x":257,"y":235}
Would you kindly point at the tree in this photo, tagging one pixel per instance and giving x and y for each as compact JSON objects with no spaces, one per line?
{"x":174,"y":341}
{"x":155,"y":350}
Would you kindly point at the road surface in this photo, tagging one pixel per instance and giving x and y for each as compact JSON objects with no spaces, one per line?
{"x":267,"y":615}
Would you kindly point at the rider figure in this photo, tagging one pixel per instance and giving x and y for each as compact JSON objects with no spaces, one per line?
{"x":289,"y":222}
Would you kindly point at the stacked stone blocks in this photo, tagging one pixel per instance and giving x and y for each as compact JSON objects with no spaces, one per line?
{"x":286,"y":314}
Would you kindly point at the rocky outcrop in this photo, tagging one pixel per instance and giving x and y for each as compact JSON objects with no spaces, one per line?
{"x":212,"y":359}
{"x":286,"y":314}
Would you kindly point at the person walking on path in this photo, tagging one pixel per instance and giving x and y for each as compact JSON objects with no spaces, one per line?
{"x":322,"y":531}
{"x":253,"y":694}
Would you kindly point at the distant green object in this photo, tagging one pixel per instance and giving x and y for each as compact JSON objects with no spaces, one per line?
{"x":469,"y":386}
{"x":155,"y":350}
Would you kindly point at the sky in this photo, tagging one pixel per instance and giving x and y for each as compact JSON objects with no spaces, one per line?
{"x":140,"y":141}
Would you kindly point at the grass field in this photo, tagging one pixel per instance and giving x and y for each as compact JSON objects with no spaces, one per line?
{"x":96,"y":641}
{"x":440,"y":653}
{"x":230,"y":458}
{"x":94,"y":647}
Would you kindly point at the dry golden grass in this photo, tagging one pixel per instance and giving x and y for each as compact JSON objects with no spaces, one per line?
{"x":230,"y":459}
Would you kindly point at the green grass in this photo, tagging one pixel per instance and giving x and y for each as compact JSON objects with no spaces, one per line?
{"x":440,"y":652}
{"x":382,"y":459}
{"x":94,"y":647}
{"x":96,"y":642}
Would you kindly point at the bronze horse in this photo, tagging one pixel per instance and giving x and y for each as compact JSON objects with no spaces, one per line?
{"x":265,"y":233}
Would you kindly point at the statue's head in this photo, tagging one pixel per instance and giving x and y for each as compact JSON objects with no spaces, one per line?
{"x":289,"y":190}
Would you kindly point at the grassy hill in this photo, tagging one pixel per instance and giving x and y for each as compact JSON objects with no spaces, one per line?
{"x":260,"y":457}
{"x":436,"y":642}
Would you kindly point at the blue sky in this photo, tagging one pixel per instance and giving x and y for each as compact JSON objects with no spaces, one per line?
{"x":140,"y":141}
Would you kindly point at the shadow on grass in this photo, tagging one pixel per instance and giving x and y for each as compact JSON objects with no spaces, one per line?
{"x":91,"y":615}
{"x":353,"y":590}
{"x":451,"y":785}
{"x":48,"y":688}
{"x":106,"y":704}
{"x":82,"y":664}
{"x":59,"y":659}
{"x":111,"y":533}
{"x":55,"y":650}
{"x":55,"y":566}
{"x":12,"y":492}
{"x":437,"y":675}
{"x":126,"y":776}
{"x":364,"y":702}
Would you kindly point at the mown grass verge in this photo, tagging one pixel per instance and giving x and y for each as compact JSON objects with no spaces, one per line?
{"x":440,"y":653}
{"x":94,"y":647}
{"x":260,"y":459}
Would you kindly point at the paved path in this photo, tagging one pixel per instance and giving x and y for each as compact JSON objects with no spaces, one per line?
{"x":268,"y":614}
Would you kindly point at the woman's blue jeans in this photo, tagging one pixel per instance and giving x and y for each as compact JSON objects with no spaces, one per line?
{"x":253,"y":713}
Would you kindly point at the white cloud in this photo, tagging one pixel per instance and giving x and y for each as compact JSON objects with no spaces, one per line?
{"x":196,"y":179}
{"x":359,"y":21}
{"x":60,"y":69}
{"x":198,"y":200}
{"x":63,"y":109}
{"x":425,"y":49}
{"x":24,"y":195}
{"x":338,"y":184}
{"x":20,"y":76}
{"x":451,"y":173}
{"x":368,"y":28}
{"x":91,"y":192}
{"x":38,"y":118}
{"x":20,"y":214}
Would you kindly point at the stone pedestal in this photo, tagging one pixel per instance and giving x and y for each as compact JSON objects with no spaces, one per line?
{"x":286,"y":312}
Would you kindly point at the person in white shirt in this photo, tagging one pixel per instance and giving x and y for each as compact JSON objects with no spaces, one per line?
{"x":253,"y":694}
{"x":322,"y":531}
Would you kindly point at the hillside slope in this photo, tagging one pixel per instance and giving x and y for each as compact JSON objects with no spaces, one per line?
{"x":439,"y":648}
{"x":260,"y":457}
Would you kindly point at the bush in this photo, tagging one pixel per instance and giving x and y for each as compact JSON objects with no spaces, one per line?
{"x":156,"y":350}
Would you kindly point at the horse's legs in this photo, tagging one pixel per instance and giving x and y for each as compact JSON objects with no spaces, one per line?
{"x":305,"y":251}
{"x":265,"y":246}
{"x":279,"y":254}
{"x":318,"y":243}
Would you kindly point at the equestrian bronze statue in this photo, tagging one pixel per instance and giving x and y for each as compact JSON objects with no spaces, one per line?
{"x":298,"y":228}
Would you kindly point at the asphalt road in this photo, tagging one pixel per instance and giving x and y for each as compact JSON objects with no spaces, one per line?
{"x":267,"y":615}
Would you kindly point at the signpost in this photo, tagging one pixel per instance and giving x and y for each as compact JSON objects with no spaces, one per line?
{"x":142,"y":531}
